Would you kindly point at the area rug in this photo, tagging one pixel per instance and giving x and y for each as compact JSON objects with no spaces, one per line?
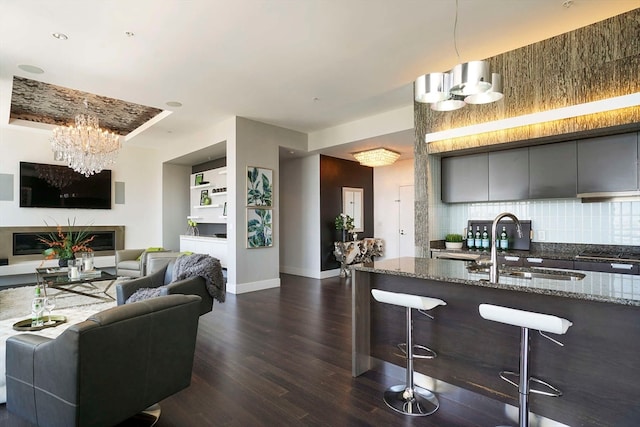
{"x":17,"y":301}
{"x":15,"y":305}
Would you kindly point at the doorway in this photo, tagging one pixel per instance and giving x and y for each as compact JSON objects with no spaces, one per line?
{"x":406,"y":247}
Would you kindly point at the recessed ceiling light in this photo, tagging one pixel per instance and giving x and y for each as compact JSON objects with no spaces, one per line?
{"x":60,"y":36}
{"x":129,"y":33}
{"x":174,"y":104}
{"x":567,"y":3}
{"x":31,"y":69}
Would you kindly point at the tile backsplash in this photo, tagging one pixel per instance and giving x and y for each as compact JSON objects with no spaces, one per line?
{"x":557,"y":220}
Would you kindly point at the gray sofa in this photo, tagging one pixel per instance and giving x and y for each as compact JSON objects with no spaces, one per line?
{"x":159,"y":275}
{"x":106,"y":369}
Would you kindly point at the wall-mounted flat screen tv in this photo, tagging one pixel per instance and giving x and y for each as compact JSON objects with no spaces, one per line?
{"x":55,"y":186}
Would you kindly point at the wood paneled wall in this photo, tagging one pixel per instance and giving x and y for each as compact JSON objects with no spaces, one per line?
{"x":335,"y":174}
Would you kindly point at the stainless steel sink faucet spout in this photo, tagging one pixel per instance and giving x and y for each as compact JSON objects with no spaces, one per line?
{"x":494,"y":272}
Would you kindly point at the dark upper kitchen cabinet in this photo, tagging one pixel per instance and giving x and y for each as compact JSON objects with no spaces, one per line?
{"x":608,"y":164}
{"x":465,"y":178}
{"x":553,"y":171}
{"x":509,"y":174}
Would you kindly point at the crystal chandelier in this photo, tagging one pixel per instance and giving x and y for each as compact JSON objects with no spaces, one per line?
{"x":85,"y":147}
{"x":377,"y":157}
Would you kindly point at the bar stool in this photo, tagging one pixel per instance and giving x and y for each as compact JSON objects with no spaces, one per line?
{"x":408,"y":398}
{"x":526,"y":320}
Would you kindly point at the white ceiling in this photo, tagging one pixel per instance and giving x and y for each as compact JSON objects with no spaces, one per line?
{"x":301,"y":64}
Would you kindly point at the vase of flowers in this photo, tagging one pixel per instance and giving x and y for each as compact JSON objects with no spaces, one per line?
{"x":345,"y":223}
{"x":64,"y":245}
{"x":192,"y":229}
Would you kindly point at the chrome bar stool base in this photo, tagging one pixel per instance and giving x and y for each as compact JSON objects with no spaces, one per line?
{"x":416,"y":402}
{"x":526,"y":320}
{"x":409,"y":399}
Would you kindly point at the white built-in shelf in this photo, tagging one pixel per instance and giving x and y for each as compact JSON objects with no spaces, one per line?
{"x":219,"y":193}
{"x":224,"y":172}
{"x":207,"y":206}
{"x":194,"y":217}
{"x":196,"y":187}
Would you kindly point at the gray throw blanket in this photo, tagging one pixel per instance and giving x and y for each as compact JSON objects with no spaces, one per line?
{"x":205,"y":266}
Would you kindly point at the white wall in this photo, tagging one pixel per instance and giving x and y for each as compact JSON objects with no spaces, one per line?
{"x":386,"y":184}
{"x":139,"y":169}
{"x":257,"y":144}
{"x":300,"y":216}
{"x":556,"y":221}
{"x":175,"y":203}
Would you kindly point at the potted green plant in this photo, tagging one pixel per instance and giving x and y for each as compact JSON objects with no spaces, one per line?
{"x":453,"y":241}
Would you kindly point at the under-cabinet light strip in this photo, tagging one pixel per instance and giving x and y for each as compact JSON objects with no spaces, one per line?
{"x":594,"y":107}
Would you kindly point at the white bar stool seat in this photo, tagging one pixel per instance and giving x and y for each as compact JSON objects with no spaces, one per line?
{"x":408,"y":398}
{"x":526,"y":320}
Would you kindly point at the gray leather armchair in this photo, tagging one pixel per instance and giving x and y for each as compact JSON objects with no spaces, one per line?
{"x":106,"y":369}
{"x":160,"y":273}
{"x":132,"y":262}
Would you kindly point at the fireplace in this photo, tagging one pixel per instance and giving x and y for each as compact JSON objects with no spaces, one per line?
{"x":29,"y":243}
{"x":21,"y":243}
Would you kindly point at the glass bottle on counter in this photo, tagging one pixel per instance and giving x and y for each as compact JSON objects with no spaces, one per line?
{"x":470,"y":239}
{"x":485,"y":238}
{"x":504,"y":239}
{"x":478,"y":238}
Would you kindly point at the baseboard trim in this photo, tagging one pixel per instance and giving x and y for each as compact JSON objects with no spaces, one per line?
{"x":329,"y":273}
{"x":242,"y":288}
{"x":313,"y":274}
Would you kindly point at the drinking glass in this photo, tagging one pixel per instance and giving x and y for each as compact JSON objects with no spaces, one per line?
{"x":49,"y":305}
{"x":37,"y":307}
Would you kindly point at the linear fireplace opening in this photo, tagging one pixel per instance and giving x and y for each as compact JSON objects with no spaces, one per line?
{"x":20,"y":244}
{"x":29,"y":243}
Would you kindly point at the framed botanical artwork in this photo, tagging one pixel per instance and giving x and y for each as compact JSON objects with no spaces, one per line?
{"x":259,"y":186}
{"x":199,"y":178}
{"x":259,"y":228}
{"x":204,"y":195}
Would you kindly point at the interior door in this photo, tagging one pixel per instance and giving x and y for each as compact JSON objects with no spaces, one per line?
{"x":407,"y":236}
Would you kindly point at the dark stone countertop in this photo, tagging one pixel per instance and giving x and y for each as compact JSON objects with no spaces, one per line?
{"x":566,"y":251}
{"x":621,"y":289}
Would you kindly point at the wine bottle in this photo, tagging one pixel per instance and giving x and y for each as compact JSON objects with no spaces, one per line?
{"x":504,"y":239}
{"x":470,"y":239}
{"x":478,"y":238}
{"x":36,"y":309}
{"x":485,"y":238}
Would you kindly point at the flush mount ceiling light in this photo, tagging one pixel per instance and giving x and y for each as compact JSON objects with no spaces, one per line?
{"x":31,"y":69}
{"x":376,"y":157}
{"x":467,"y":83}
{"x":85,"y":147}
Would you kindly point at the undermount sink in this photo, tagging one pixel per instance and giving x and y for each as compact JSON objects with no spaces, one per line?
{"x":528,"y":273}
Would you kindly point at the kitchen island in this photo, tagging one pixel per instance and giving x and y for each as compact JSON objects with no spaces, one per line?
{"x":598,"y":368}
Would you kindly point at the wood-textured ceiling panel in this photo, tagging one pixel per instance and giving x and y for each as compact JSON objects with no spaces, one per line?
{"x":40,"y":102}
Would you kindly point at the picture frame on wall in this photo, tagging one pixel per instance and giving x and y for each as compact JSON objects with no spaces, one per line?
{"x":199,"y":179}
{"x":259,"y":186}
{"x":259,"y":228}
{"x":204,"y":196}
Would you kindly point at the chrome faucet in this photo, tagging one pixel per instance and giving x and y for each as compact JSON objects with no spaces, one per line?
{"x":494,"y":272}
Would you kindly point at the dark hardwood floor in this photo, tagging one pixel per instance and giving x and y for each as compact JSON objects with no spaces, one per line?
{"x":282,"y":357}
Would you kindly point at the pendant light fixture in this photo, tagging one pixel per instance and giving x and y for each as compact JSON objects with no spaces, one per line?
{"x":467,"y":83}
